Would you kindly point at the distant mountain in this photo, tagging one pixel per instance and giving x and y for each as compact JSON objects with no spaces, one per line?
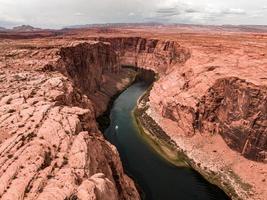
{"x":227,"y":28}
{"x":3,"y":29}
{"x":246,"y":28}
{"x":112,"y":25}
{"x":25,"y":28}
{"x":231,"y":28}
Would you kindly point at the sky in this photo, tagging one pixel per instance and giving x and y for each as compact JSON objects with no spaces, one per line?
{"x":62,"y":13}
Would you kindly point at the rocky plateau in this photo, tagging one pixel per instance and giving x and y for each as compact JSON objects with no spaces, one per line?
{"x":209,"y":101}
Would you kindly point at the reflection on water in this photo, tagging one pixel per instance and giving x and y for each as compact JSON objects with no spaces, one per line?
{"x":158,"y":179}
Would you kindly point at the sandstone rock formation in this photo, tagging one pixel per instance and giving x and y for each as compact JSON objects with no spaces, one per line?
{"x":209,"y":103}
{"x":51,"y":147}
{"x":214,"y":102}
{"x":236,"y":109}
{"x":191,"y":105}
{"x":155,"y":54}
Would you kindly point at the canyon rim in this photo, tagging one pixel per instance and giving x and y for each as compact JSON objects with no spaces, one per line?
{"x":208,"y":103}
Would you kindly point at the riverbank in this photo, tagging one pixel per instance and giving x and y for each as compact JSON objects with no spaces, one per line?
{"x":159,"y":141}
{"x":103,"y":120}
{"x":155,"y":176}
{"x":178,"y":155}
{"x":135,"y":74}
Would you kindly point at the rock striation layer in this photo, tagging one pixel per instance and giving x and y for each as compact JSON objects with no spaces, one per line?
{"x":155,"y":54}
{"x":213,"y":110}
{"x":236,"y":109}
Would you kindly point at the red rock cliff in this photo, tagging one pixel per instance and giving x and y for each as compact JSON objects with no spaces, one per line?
{"x":213,"y":107}
{"x":158,"y":55}
{"x":51,"y":147}
{"x":86,"y":63}
{"x":240,"y":102}
{"x":236,"y":109}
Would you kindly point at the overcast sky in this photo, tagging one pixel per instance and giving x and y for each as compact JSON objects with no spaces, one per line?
{"x":60,"y":13}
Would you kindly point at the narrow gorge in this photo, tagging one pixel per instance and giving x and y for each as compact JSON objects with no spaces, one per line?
{"x":52,"y":92}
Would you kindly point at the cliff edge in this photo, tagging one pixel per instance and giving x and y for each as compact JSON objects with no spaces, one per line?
{"x":51,"y":147}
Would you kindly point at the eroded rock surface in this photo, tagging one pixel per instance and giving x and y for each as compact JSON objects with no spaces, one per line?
{"x":209,"y":102}
{"x":51,"y":147}
{"x":213,"y":108}
{"x":155,"y":54}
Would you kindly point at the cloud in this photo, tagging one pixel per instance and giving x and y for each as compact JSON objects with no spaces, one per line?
{"x":167,"y":10}
{"x":131,"y":14}
{"x":177,"y":11}
{"x":234,"y":11}
{"x":7,"y":20}
{"x":79,"y":14}
{"x":48,"y":15}
{"x":7,"y":24}
{"x":191,"y":10}
{"x":173,"y":10}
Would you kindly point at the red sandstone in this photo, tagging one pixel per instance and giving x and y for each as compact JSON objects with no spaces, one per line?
{"x":210,"y":99}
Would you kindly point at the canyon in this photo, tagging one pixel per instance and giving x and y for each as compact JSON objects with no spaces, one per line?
{"x":208,"y":103}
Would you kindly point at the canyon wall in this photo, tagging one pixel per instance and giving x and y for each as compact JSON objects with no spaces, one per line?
{"x":95,"y":69}
{"x":51,"y":147}
{"x":86,"y":63}
{"x":52,"y":91}
{"x":212,"y":108}
{"x":51,"y":94}
{"x":231,"y":107}
{"x":236,"y":110}
{"x":154,"y":54}
{"x":237,"y":113}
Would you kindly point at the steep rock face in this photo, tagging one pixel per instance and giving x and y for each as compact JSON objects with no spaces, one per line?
{"x":213,"y":108}
{"x":237,"y":110}
{"x":86,"y":63}
{"x":51,"y":147}
{"x":187,"y":100}
{"x":50,"y":143}
{"x":232,"y":108}
{"x":158,"y":55}
{"x":95,"y":69}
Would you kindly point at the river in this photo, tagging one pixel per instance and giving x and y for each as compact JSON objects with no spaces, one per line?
{"x":156,"y":177}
